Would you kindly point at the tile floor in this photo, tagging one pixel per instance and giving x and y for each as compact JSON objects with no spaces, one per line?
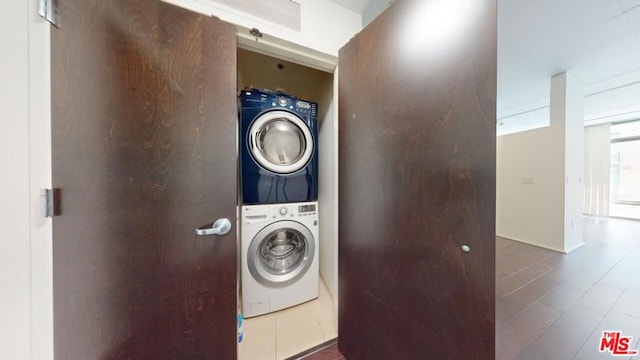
{"x":555,"y":306}
{"x":289,"y":332}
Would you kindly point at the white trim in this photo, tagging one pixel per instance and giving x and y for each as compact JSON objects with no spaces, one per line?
{"x":285,"y":50}
{"x":284,"y":13}
{"x":532,"y":243}
{"x":318,"y":33}
{"x":536,"y":244}
{"x":41,"y":230}
{"x":335,"y":205}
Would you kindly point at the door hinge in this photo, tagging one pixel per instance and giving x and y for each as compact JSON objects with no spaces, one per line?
{"x":47,"y":9}
{"x":50,"y":202}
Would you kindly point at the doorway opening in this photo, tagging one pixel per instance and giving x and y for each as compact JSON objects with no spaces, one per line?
{"x":291,"y":331}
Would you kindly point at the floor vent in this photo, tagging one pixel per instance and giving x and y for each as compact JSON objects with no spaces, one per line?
{"x":283,"y":12}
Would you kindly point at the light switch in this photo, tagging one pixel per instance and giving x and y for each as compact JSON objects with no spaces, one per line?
{"x":528,"y":180}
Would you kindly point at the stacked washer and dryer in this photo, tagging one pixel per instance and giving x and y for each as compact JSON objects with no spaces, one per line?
{"x":279,"y":211}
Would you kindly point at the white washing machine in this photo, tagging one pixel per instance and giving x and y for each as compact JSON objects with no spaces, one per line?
{"x":279,"y":256}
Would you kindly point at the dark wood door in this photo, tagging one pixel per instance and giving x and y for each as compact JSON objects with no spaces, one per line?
{"x":417,"y":183}
{"x":144,"y":151}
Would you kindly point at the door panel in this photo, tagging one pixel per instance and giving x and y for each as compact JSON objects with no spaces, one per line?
{"x":417,"y":181}
{"x":144,"y":151}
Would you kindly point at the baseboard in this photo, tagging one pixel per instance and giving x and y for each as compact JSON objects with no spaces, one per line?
{"x":581,"y":244}
{"x":313,"y":350}
{"x":531,"y":243}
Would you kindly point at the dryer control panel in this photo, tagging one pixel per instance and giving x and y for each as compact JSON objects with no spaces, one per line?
{"x":305,"y":107}
{"x":277,"y":100}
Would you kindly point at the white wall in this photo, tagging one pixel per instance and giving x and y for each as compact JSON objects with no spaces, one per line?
{"x":373,"y":9}
{"x":617,"y":104}
{"x":25,"y":246}
{"x":40,"y":157}
{"x":15,"y":270}
{"x":326,"y":26}
{"x":567,"y":98}
{"x":529,"y":120}
{"x":328,"y":190}
{"x":529,"y":187}
{"x":605,"y":101}
{"x":539,"y":175}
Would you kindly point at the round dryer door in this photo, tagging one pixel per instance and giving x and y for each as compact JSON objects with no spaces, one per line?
{"x":281,"y":253}
{"x":280,"y":142}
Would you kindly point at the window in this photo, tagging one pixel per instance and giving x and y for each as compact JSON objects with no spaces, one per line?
{"x":625,"y":170}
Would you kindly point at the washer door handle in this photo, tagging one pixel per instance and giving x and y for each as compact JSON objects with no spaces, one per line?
{"x":219,"y":227}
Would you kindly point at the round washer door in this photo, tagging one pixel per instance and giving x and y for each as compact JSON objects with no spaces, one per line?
{"x":280,"y":142}
{"x":281,"y":253}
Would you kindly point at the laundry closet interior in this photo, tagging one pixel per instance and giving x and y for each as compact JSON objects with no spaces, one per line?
{"x":290,"y":331}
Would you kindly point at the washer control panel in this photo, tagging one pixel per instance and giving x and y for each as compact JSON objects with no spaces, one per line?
{"x":298,"y":210}
{"x":257,"y":214}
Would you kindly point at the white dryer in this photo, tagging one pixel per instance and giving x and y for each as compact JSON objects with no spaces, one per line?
{"x":279,"y":256}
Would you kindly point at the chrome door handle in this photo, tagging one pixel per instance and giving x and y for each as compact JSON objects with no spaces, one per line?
{"x":219,"y":227}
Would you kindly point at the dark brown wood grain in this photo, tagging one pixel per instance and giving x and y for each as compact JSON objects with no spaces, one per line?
{"x":330,"y":352}
{"x":417,"y":181}
{"x":143,"y":132}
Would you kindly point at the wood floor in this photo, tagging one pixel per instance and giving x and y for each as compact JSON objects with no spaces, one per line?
{"x":555,"y":306}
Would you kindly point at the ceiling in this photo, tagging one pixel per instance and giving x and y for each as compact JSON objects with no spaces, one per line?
{"x":353,"y":5}
{"x":598,"y":41}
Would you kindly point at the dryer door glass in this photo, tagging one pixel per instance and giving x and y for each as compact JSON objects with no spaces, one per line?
{"x":282,"y":251}
{"x":281,"y":142}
